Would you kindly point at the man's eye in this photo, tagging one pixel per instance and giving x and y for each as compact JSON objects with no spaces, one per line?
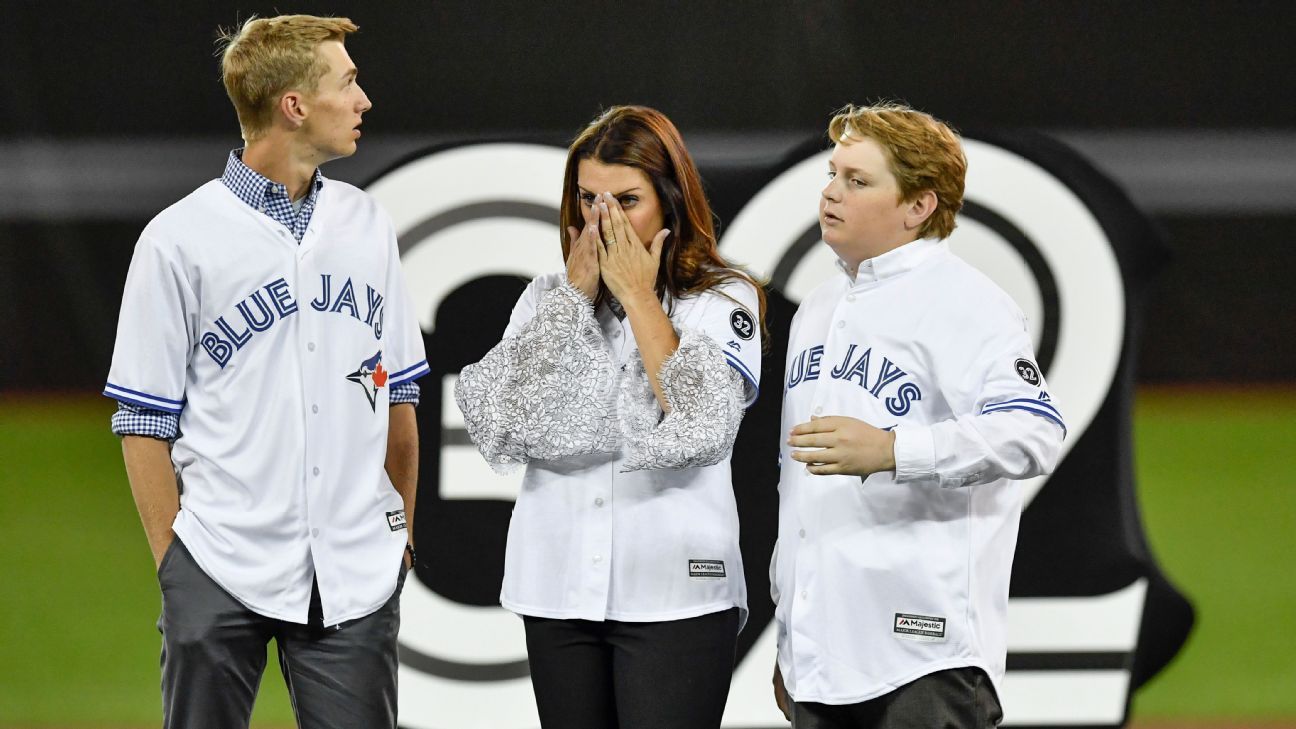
{"x":831,"y":174}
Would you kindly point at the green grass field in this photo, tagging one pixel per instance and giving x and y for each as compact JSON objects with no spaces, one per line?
{"x":78,"y":602}
{"x":1217,"y":486}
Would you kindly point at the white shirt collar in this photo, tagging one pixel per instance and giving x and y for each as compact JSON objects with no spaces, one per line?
{"x":894,"y":262}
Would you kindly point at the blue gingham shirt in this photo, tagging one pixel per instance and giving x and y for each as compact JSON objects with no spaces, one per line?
{"x":271,"y":198}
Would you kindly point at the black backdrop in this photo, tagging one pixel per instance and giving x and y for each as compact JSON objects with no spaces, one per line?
{"x":80,"y":68}
{"x":80,"y":72}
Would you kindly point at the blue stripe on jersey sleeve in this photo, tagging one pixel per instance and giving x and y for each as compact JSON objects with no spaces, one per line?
{"x":746,"y":374}
{"x":1027,"y":401}
{"x":1049,"y":414}
{"x":143,"y":399}
{"x":409,"y":373}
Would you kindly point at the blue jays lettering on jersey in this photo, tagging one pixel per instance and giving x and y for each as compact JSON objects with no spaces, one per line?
{"x":877,"y":375}
{"x":259,"y":310}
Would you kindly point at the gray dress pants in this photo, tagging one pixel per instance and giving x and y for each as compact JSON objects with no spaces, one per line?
{"x":214,"y":652}
{"x":957,"y":698}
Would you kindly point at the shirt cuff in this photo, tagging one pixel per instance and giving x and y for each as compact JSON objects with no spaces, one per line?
{"x":915,"y":454}
{"x":404,"y":392}
{"x":135,"y":420}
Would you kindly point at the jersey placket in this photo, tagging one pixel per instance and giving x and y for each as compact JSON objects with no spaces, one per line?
{"x":806,"y":597}
{"x":307,"y":352}
{"x":600,"y":499}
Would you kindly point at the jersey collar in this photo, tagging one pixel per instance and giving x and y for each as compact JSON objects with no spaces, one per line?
{"x":896,"y":262}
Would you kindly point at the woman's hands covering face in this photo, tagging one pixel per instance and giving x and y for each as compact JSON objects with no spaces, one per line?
{"x":627,"y":266}
{"x":583,"y":259}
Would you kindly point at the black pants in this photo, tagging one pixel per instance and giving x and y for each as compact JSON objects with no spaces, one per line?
{"x":214,"y":652}
{"x":958,"y":698}
{"x":672,"y":674}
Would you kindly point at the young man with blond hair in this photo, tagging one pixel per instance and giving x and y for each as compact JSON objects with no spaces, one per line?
{"x":913,"y":404}
{"x":264,"y":370}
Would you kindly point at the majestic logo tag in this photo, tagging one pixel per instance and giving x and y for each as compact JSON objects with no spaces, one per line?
{"x":396,"y":520}
{"x":742,"y":324}
{"x":923,"y":628}
{"x":1027,"y":370}
{"x":706,"y":568}
{"x":372,"y":377}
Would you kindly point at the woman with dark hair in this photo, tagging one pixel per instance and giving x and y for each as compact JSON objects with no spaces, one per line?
{"x":620,"y":383}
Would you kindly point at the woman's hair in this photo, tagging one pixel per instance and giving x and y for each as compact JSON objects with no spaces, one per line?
{"x":267,"y":56}
{"x":643,"y":138}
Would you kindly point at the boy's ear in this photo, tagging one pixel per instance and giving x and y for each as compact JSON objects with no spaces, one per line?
{"x":291,"y":106}
{"x":920,"y":208}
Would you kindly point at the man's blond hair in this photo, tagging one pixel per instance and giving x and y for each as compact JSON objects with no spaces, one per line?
{"x":923,"y":152}
{"x":267,"y":56}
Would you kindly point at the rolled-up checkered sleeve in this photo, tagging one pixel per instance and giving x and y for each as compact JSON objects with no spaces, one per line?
{"x":405,"y":392}
{"x":135,"y":420}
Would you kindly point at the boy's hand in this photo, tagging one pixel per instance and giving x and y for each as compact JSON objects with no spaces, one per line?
{"x":843,"y":446}
{"x":780,"y":693}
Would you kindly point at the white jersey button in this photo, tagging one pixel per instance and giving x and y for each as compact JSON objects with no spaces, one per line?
{"x":804,"y":594}
{"x":598,"y":558}
{"x":598,"y":501}
{"x":802,"y":534}
{"x":616,"y":334}
{"x":850,"y":297}
{"x":314,"y":408}
{"x":841,"y":323}
{"x":310,"y":346}
{"x":314,"y":532}
{"x":315,"y":471}
{"x":819,"y":410}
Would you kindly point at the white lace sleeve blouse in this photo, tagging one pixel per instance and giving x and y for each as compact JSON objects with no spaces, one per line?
{"x":565,"y":393}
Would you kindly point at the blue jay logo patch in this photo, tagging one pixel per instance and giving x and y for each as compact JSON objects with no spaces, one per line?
{"x":372,"y":377}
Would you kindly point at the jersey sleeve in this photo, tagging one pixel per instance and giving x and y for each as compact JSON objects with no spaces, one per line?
{"x":403,"y":337}
{"x":731,"y":318}
{"x":1006,"y":423}
{"x":155,"y":331}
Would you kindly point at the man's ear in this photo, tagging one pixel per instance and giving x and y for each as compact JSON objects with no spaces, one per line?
{"x":920,"y":208}
{"x":292,"y":106}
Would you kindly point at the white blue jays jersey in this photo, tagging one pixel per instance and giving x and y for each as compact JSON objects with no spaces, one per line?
{"x":883,"y":580}
{"x":278,"y":358}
